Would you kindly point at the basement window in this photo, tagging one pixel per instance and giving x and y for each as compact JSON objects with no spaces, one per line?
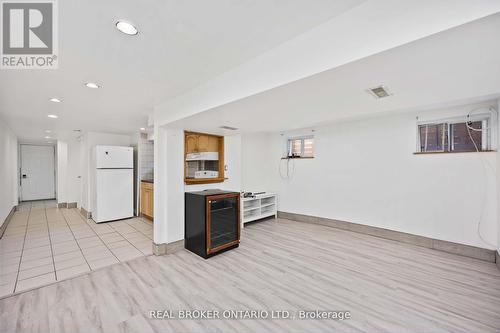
{"x":455,"y":136}
{"x":301,"y":147}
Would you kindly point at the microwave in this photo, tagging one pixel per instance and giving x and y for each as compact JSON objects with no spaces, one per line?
{"x":206,"y":174}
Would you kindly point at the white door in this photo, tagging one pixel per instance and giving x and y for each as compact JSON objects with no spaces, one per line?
{"x":37,"y":172}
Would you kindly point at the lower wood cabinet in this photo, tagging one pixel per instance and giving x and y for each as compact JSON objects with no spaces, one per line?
{"x":147,"y":199}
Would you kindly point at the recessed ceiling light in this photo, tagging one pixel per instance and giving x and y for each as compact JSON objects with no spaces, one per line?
{"x":92,"y":85}
{"x":55,"y":100}
{"x":142,"y":129}
{"x":48,"y":131}
{"x":126,"y":27}
{"x":53,"y":116}
{"x":47,"y":137}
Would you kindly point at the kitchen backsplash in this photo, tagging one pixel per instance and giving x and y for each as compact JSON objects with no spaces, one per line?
{"x":146,"y":157}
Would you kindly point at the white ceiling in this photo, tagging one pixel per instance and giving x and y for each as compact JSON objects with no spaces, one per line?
{"x":180,"y":45}
{"x":455,"y":66}
{"x":373,"y":27}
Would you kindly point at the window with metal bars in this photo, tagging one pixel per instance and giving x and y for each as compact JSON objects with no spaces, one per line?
{"x":454,"y":136}
{"x":301,"y":147}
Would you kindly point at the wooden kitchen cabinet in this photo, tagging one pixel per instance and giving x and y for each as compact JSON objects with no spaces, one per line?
{"x":147,"y":200}
{"x":203,"y":143}
{"x":191,"y":143}
{"x":213,"y":143}
{"x":199,"y":143}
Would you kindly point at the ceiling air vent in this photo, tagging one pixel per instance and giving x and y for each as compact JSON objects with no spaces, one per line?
{"x":379,"y":92}
{"x":229,"y":128}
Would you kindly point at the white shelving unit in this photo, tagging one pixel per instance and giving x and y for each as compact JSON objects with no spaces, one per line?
{"x":259,"y":207}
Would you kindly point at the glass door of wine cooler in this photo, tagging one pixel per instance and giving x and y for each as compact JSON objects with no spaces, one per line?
{"x":223,"y":227}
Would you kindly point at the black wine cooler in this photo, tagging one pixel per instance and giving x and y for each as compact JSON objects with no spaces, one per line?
{"x":212,"y":222}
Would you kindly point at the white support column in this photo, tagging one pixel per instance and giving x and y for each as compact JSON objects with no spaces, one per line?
{"x":160,"y":187}
{"x":169,"y":189}
{"x":175,"y":188}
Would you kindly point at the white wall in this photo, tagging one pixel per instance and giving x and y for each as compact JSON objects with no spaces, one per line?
{"x":74,"y":171}
{"x":87,"y":143}
{"x":62,"y":171}
{"x":135,"y":139}
{"x":8,"y":171}
{"x":255,"y":158}
{"x":498,"y":183}
{"x":365,"y":172}
{"x":68,"y":171}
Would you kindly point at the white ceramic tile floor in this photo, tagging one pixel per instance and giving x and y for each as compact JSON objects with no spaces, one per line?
{"x":43,"y":244}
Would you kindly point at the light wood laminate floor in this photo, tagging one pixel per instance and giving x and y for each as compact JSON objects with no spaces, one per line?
{"x":280,"y":265}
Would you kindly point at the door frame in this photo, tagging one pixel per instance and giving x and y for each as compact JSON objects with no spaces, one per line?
{"x":20,"y":166}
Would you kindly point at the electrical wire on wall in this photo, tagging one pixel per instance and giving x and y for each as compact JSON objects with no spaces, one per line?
{"x":484,"y":163}
{"x":290,"y":168}
{"x":288,"y":163}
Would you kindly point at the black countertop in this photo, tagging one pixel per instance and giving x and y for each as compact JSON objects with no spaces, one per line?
{"x":152,"y":181}
{"x":212,"y":192}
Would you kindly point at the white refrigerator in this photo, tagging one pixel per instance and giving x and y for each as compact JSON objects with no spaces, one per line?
{"x":113,"y":183}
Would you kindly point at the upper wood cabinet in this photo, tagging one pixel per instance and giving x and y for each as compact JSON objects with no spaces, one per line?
{"x":191,"y":142}
{"x":202,"y":143}
{"x":198,"y":143}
